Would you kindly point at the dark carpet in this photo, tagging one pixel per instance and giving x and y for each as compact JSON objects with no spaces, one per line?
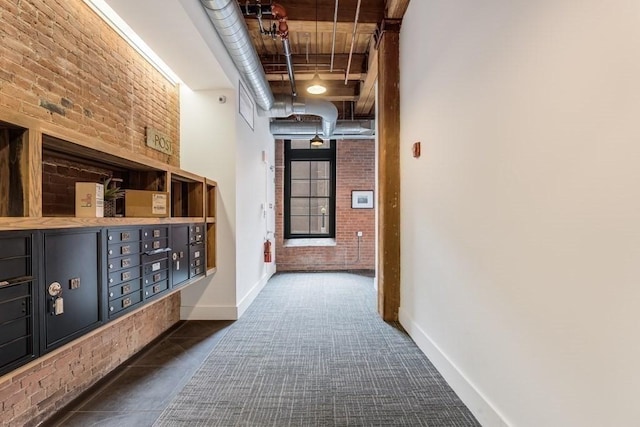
{"x":312,"y":351}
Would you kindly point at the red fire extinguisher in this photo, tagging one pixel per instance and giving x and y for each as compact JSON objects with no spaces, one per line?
{"x":267,"y":251}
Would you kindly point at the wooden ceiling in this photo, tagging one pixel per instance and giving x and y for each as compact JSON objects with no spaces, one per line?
{"x":312,"y":43}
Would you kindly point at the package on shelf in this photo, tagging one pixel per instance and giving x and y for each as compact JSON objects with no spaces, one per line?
{"x":142,"y":203}
{"x":89,"y":200}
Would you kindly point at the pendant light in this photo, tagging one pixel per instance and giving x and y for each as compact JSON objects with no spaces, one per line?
{"x":316,"y":141}
{"x":316,"y":87}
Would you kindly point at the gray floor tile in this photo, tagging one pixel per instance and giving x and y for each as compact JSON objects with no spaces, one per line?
{"x":109,"y":419}
{"x":139,"y":388}
{"x":200,"y":328}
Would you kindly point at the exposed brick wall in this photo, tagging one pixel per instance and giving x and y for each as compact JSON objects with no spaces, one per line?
{"x":355,"y":171}
{"x":59,"y":177}
{"x":62,"y":64}
{"x":33,"y":393}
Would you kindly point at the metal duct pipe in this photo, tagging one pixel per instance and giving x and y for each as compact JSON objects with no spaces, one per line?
{"x":285,"y":107}
{"x":228,"y":21}
{"x":356,"y":129}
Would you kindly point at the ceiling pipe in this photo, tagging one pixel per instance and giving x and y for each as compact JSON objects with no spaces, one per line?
{"x":333,"y":37}
{"x":229,"y":23}
{"x":280,"y":13}
{"x":286,"y":106}
{"x":355,"y":129}
{"x":353,"y":42}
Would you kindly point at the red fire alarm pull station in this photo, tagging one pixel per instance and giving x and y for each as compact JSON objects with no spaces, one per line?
{"x":416,"y":149}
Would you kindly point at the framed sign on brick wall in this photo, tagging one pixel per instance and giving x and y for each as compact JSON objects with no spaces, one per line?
{"x":362,"y":199}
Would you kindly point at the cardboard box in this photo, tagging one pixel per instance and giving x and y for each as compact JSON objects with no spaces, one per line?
{"x":89,"y":200}
{"x":140,"y":203}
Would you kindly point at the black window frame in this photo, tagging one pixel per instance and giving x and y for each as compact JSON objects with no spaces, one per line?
{"x":310,"y":154}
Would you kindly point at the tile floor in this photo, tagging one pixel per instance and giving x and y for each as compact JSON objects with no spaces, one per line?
{"x":139,"y":392}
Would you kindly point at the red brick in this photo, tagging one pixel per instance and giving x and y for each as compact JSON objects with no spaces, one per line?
{"x":355,"y":171}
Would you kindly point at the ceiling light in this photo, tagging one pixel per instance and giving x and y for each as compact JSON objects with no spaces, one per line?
{"x":316,"y":141}
{"x":316,"y":87}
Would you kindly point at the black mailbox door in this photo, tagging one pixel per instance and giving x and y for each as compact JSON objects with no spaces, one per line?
{"x":180,"y":254}
{"x":72,"y":273}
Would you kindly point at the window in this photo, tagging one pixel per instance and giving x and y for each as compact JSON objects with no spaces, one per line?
{"x":309,"y":189}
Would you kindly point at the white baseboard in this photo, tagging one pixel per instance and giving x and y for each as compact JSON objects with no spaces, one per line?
{"x":209,"y":312}
{"x":215,"y":312}
{"x":253,"y":293}
{"x":484,"y":412}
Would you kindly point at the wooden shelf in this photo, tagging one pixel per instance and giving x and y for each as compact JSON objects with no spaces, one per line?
{"x":7,"y":223}
{"x":187,"y":195}
{"x":14,"y":170}
{"x":211,"y":246}
{"x":211,"y":199}
{"x":40,"y":162}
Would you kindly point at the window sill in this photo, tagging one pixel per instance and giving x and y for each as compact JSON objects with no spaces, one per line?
{"x":303,"y":243}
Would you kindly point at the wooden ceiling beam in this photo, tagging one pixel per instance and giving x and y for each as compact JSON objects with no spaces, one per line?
{"x":368,"y":88}
{"x":334,"y":90}
{"x":301,"y":58}
{"x":306,"y":10}
{"x":301,"y":76}
{"x":323,"y":27}
{"x":395,"y":9}
{"x":276,"y":63}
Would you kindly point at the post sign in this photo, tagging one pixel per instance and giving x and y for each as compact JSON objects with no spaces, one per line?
{"x":159,"y":141}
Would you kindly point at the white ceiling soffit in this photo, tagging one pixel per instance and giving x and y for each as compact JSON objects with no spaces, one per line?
{"x":168,"y":30}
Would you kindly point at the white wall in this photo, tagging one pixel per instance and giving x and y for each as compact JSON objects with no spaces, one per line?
{"x":216,"y":142}
{"x":521,"y":220}
{"x":255,"y":187}
{"x":207,"y":147}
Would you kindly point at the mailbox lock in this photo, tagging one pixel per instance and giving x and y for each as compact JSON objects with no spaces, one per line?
{"x":55,"y":289}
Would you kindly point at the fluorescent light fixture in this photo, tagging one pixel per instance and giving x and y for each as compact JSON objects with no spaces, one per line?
{"x":117,"y":23}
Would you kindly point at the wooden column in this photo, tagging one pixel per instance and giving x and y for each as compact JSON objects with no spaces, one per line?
{"x":389,"y":170}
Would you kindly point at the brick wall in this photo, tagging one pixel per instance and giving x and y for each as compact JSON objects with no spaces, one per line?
{"x":59,"y":177}
{"x":355,"y":170}
{"x":34,"y":392}
{"x":62,"y":64}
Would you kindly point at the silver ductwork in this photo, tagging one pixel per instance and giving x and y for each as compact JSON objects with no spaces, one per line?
{"x":286,"y":106}
{"x":345,"y":129}
{"x":228,"y":21}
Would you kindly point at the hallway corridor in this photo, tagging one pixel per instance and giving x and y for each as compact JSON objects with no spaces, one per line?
{"x":310,"y":351}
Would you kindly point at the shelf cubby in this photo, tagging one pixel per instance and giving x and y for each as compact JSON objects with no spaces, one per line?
{"x":65,"y":163}
{"x":211,"y":248}
{"x":211,"y":200}
{"x":187,"y":196}
{"x":14,"y":171}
